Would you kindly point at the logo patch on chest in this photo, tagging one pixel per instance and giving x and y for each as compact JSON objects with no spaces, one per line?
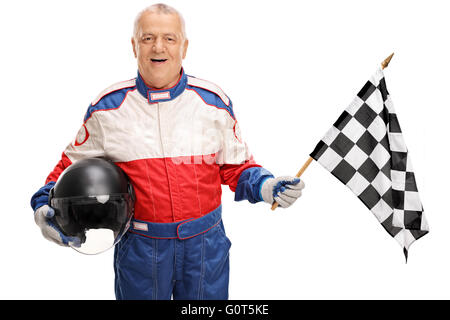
{"x":160,"y":95}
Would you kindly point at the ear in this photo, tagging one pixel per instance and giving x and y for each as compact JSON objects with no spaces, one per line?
{"x":186,"y":44}
{"x":133,"y":43}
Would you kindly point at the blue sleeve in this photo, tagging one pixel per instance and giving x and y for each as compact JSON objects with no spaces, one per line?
{"x":249,"y":184}
{"x":40,"y":198}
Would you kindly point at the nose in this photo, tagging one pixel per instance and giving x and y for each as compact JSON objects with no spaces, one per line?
{"x":158,"y":46}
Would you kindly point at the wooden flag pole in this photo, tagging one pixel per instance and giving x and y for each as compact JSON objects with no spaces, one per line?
{"x":386,"y":61}
{"x":384,"y":65}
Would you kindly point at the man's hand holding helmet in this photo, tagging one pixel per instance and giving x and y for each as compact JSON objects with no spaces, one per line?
{"x":89,"y":208}
{"x":43,"y":217}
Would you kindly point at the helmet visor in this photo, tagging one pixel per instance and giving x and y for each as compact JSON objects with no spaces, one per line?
{"x":98,"y":221}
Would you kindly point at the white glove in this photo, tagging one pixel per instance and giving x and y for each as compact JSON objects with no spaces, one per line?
{"x":283,"y":190}
{"x":44,"y":219}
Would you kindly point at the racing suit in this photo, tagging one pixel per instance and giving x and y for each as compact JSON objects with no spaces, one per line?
{"x":177,"y":147}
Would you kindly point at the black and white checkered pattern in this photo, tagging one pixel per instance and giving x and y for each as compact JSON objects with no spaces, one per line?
{"x":365,"y":150}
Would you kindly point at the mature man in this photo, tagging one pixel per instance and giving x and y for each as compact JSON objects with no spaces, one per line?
{"x":177,"y":139}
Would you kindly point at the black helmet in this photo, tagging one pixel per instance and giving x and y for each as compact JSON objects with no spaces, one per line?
{"x":94,"y":201}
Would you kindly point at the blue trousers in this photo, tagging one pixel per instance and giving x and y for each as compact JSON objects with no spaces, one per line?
{"x":186,"y":260}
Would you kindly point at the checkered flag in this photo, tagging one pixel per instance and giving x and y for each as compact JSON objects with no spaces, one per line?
{"x":365,"y":150}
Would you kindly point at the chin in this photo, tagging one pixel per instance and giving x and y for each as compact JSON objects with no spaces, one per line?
{"x":158,"y":78}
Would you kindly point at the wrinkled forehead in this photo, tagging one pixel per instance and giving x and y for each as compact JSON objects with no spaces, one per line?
{"x":160,"y":23}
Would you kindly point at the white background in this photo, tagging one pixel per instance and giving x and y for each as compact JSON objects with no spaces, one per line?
{"x":290,"y":68}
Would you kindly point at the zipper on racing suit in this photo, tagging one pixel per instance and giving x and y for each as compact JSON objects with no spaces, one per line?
{"x":158,"y":106}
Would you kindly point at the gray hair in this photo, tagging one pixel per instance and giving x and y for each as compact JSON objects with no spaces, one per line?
{"x":159,"y":8}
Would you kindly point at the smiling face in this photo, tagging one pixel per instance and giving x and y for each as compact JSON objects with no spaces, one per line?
{"x":159,"y":46}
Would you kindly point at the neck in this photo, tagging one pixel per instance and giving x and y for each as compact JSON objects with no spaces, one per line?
{"x":161,"y":85}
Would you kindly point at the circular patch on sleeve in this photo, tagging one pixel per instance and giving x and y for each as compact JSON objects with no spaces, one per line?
{"x":237,"y":132}
{"x":82,"y":136}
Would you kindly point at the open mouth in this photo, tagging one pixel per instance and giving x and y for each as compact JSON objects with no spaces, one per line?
{"x":158,"y":60}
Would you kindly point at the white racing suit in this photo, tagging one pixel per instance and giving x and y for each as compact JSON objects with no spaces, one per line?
{"x":177,"y":147}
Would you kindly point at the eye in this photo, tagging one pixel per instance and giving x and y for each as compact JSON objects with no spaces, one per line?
{"x":147,"y":38}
